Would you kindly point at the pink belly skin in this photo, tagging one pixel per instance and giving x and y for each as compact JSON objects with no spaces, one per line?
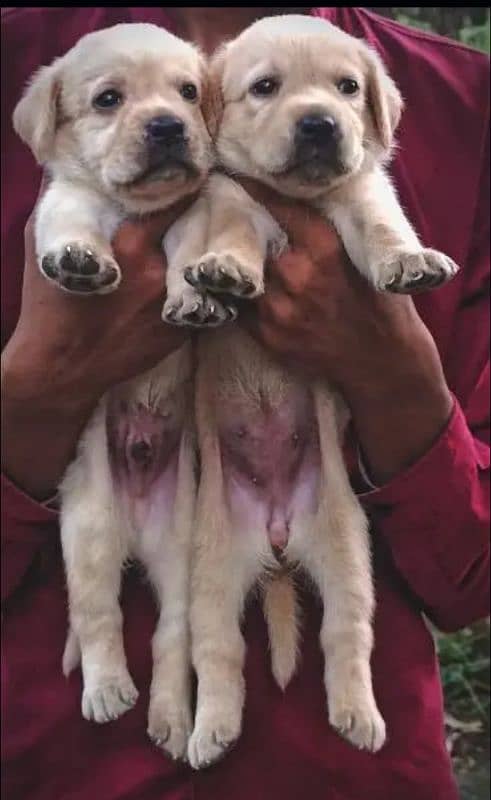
{"x":143,"y":454}
{"x":271,"y":464}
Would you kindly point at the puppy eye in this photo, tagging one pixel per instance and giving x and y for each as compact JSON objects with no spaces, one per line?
{"x":265,"y":87}
{"x":348,"y":86}
{"x":189,"y":91}
{"x":110,"y":98}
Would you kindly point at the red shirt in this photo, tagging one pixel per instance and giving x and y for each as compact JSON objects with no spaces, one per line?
{"x":430,"y":524}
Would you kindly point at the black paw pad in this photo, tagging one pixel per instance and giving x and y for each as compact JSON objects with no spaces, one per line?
{"x":79,"y":262}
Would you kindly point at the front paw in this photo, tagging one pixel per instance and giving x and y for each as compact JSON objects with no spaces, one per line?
{"x":169,"y":727}
{"x":215,"y":733}
{"x":358,"y":720}
{"x":79,"y":269}
{"x":410,"y":273}
{"x":196,"y":310}
{"x":223,"y":272}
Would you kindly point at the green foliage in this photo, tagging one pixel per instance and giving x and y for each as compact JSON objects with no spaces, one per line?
{"x":469,"y":25}
{"x":465,"y":668}
{"x":477,"y":36}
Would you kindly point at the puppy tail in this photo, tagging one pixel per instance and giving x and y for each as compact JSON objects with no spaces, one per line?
{"x":282,"y":618}
{"x":71,"y":654}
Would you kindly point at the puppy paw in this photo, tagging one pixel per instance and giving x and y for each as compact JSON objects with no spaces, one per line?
{"x":410,"y":273}
{"x":223,"y":272}
{"x":108,"y":700}
{"x":197,"y":310}
{"x":169,"y":727}
{"x":360,"y":722}
{"x":213,"y":736}
{"x":78,"y":269}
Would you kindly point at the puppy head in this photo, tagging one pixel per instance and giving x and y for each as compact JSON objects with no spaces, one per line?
{"x":123,"y":111}
{"x":305,"y":105}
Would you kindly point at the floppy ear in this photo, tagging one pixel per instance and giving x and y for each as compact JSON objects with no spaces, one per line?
{"x":35,"y":115}
{"x":384,"y":99}
{"x":212,"y":104}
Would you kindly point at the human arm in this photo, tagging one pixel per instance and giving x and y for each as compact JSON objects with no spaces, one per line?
{"x":421,"y":441}
{"x":63,"y":355}
{"x":66,"y":351}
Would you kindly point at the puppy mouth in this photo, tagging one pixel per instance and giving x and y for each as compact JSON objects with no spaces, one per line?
{"x":312,"y":169}
{"x":165,"y":169}
{"x":313,"y":164}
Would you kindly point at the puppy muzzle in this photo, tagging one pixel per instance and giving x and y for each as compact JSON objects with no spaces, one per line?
{"x":165,"y":152}
{"x":316,"y":147}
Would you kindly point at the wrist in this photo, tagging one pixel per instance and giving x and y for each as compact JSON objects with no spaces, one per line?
{"x":35,"y":382}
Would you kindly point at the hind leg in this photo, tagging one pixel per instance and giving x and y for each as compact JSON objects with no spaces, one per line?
{"x":93,"y":551}
{"x":169,"y":714}
{"x":338,"y":558}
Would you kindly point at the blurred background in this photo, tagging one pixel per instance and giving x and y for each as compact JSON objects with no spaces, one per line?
{"x":464,"y":656}
{"x":467,"y":25}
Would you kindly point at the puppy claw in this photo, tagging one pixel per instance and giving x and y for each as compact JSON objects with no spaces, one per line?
{"x":226,"y":273}
{"x":197,"y":310}
{"x":190,"y":277}
{"x":416,"y":272}
{"x":76,"y":268}
{"x":169,"y":727}
{"x":106,"y":702}
{"x":363,"y":726}
{"x":212,"y":739}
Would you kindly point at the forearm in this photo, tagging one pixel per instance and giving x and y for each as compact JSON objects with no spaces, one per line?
{"x":400,"y":411}
{"x":40,"y":430}
{"x":433,"y":507}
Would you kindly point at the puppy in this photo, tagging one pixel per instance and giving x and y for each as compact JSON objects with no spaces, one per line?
{"x":118,"y":122}
{"x":310,"y":111}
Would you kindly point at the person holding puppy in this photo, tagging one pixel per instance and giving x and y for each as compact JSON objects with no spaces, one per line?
{"x":414,"y":374}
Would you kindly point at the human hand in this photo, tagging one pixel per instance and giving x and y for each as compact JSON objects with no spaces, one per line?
{"x":320,"y":316}
{"x":67,"y":350}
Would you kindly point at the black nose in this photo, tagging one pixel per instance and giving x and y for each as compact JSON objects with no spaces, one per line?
{"x":164,"y":129}
{"x":316,"y":128}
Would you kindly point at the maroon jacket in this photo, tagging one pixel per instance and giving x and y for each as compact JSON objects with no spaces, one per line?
{"x":430,"y":524}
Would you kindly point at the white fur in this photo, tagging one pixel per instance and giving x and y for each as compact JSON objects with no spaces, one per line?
{"x":91,"y":156}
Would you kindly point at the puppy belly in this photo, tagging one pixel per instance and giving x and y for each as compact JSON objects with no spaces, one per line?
{"x":271,"y":465}
{"x":144,"y":453}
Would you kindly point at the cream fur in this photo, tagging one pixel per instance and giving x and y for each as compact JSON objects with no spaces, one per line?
{"x":255,"y":137}
{"x":92,"y":158}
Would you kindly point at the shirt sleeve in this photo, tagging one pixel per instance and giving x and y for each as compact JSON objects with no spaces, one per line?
{"x":435,"y":516}
{"x":26,"y":525}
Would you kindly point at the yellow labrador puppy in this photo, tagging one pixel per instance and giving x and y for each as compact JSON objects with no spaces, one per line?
{"x":118,"y":123}
{"x":311,"y":111}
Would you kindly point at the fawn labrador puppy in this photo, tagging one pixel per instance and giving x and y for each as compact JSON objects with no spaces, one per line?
{"x":118,"y":122}
{"x":311,"y":111}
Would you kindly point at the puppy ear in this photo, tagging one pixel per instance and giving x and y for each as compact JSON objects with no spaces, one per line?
{"x":35,"y":115}
{"x":212,"y":105}
{"x":384,"y":99}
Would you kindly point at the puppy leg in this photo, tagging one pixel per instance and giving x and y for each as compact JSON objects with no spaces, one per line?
{"x":380,"y":240}
{"x":220,"y":582}
{"x":94,"y":549}
{"x":221,"y":574}
{"x":73,"y":231}
{"x":240,"y":232}
{"x":184,"y":243}
{"x":169,"y":715}
{"x":338,"y":558}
